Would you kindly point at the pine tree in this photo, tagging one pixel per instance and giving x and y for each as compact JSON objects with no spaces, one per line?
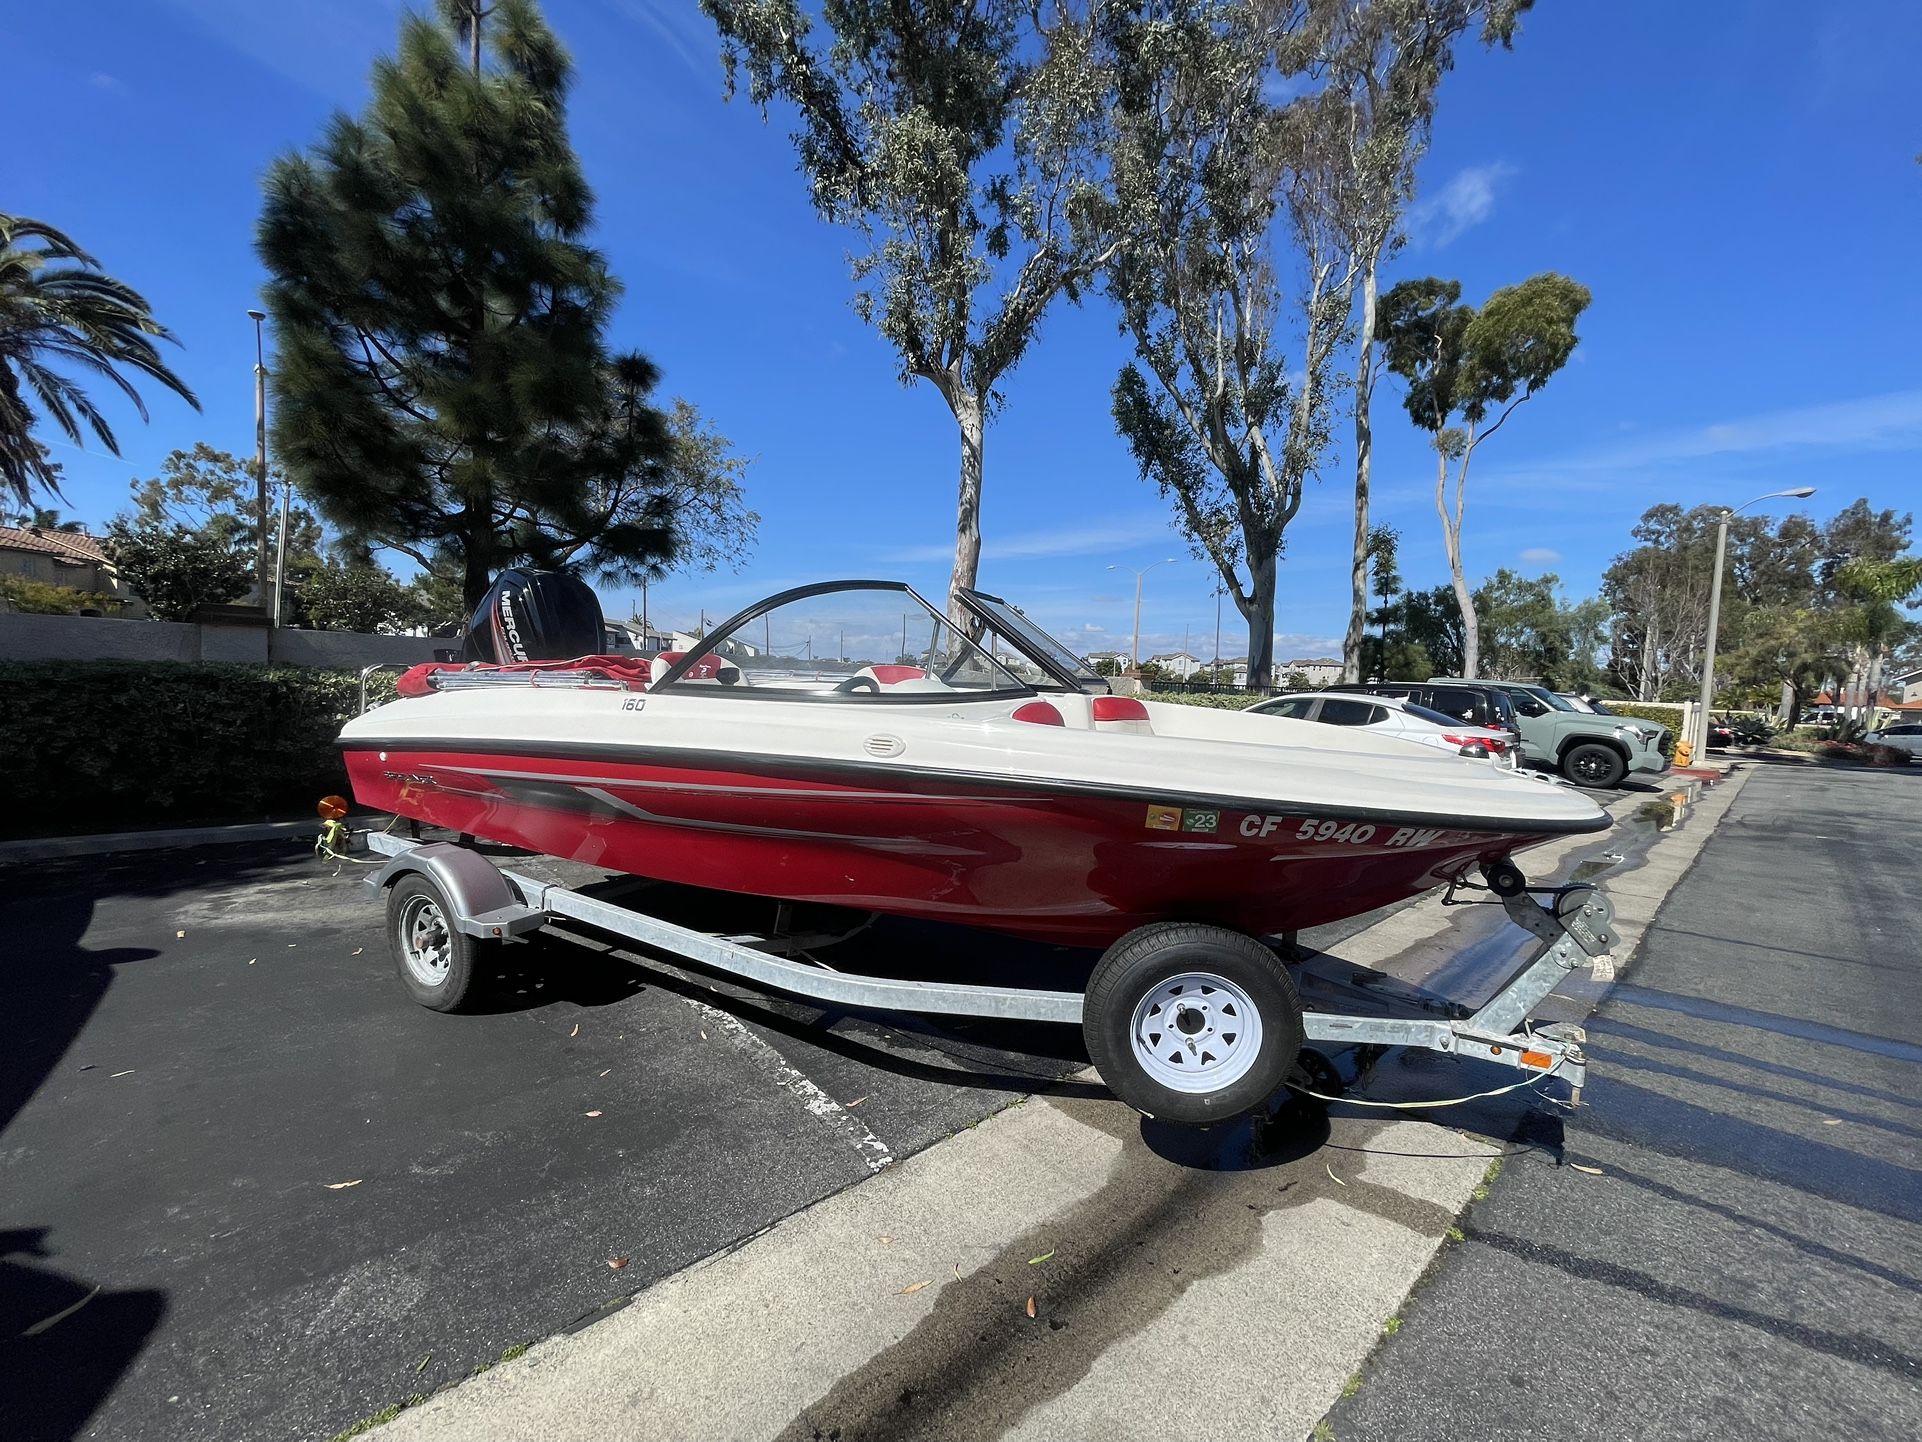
{"x":441,"y":385}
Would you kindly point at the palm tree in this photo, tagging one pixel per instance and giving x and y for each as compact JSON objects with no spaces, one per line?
{"x":41,"y":518}
{"x":58,"y":308}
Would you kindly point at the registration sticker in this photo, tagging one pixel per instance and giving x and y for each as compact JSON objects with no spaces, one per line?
{"x":1200,"y":821}
{"x":1164,"y":818}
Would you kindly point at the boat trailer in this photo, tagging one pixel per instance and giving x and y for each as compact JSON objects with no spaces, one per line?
{"x":444,"y":898}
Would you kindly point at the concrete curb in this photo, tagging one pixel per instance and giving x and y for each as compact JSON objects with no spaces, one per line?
{"x":53,"y":848}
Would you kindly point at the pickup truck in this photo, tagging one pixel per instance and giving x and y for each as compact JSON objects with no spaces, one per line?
{"x":1589,"y":749}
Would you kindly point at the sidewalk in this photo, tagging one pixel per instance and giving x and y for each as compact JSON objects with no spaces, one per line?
{"x":1184,"y":1284}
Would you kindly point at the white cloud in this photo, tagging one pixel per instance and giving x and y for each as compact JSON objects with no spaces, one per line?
{"x":1069,"y":540}
{"x":1463,"y":202}
{"x":1539,"y":556}
{"x":1889,"y":422}
{"x":326,"y":50}
{"x":682,"y":28}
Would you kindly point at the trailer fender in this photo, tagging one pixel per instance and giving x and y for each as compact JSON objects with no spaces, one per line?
{"x":480,"y":901}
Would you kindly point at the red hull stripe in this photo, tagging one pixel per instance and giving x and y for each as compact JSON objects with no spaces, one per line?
{"x":1075,"y":868}
{"x":896,"y":777}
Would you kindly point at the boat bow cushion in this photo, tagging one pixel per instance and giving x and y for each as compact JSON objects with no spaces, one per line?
{"x":420,"y":680}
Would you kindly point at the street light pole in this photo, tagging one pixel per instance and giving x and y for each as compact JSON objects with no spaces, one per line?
{"x":1134,"y":645}
{"x":1220,"y":591}
{"x":1699,"y":740}
{"x":280,"y":565}
{"x":260,"y":460}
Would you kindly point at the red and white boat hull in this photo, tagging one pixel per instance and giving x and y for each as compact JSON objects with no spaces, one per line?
{"x":1059,"y":859}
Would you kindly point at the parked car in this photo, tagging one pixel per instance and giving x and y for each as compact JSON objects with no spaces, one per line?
{"x":1905,"y":735}
{"x":1392,"y":716}
{"x":1721,"y":733}
{"x":1587,"y":748}
{"x":1472,"y":702}
{"x":1593,"y":705}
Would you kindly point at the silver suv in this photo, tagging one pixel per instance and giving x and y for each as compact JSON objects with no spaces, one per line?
{"x":1589,"y":749}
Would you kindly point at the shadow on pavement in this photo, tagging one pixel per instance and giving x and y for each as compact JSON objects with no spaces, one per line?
{"x":982,"y":1054}
{"x":160,"y":873}
{"x":63,"y":1344}
{"x":51,"y":986}
{"x":1641,"y":1117}
{"x":1293,"y":1130}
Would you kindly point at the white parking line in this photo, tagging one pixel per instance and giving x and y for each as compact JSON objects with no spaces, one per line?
{"x":785,"y":1075}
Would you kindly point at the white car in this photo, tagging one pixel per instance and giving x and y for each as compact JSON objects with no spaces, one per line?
{"x":1392,"y":716}
{"x":1905,"y":735}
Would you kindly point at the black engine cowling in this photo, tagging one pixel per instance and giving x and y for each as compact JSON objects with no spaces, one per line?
{"x":534,"y":615}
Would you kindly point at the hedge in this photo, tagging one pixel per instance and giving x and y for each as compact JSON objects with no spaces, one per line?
{"x":1219,"y":700}
{"x":103,"y":745}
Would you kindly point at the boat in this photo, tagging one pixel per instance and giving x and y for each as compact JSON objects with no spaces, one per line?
{"x":847,"y":743}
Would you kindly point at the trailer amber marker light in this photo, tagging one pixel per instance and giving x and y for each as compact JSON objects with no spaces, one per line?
{"x":332,"y":808}
{"x":1537,"y":1058}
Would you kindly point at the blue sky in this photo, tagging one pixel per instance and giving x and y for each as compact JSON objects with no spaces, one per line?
{"x":1735,"y":183}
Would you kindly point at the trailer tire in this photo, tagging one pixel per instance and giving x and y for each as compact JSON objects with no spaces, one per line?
{"x":439,"y":964}
{"x":1191,"y":1023}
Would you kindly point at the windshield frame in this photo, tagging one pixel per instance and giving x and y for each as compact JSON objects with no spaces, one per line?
{"x":732,"y":625}
{"x":1033,"y":642}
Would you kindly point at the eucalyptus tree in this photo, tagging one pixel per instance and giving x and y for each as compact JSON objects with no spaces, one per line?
{"x":1478,"y":366}
{"x":1385,"y":59}
{"x":958,"y":139}
{"x":1234,"y":272}
{"x":60,"y":313}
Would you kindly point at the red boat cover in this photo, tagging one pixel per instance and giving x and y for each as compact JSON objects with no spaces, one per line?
{"x":629,"y":671}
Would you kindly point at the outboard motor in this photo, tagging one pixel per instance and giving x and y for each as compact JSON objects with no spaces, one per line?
{"x":534,"y":615}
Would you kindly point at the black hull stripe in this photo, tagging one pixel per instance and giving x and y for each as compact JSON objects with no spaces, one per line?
{"x":868,"y":773}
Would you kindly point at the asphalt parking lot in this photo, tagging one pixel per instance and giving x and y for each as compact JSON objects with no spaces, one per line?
{"x":283,"y":1196}
{"x":300,"y":1196}
{"x":1730,"y":1243}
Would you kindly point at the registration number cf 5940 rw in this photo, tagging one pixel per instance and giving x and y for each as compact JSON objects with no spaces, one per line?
{"x":1352,"y":833}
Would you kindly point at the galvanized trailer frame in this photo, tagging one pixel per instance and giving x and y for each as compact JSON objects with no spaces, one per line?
{"x":1572,"y":923}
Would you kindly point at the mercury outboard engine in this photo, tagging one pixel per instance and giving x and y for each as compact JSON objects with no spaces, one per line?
{"x":534,"y":615}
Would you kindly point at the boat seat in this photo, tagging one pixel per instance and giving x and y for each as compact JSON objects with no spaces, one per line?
{"x":1120,"y":713}
{"x":896,"y":679}
{"x":708,"y":668}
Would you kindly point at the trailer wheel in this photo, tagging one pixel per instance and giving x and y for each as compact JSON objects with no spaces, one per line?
{"x":439,"y":963}
{"x":1191,"y":1023}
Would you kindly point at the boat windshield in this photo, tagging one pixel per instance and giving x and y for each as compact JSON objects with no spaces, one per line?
{"x":848,"y":640}
{"x":1024,"y":648}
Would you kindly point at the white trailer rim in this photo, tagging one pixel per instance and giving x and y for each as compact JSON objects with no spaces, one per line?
{"x":425,"y":944}
{"x":1196,"y":1032}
